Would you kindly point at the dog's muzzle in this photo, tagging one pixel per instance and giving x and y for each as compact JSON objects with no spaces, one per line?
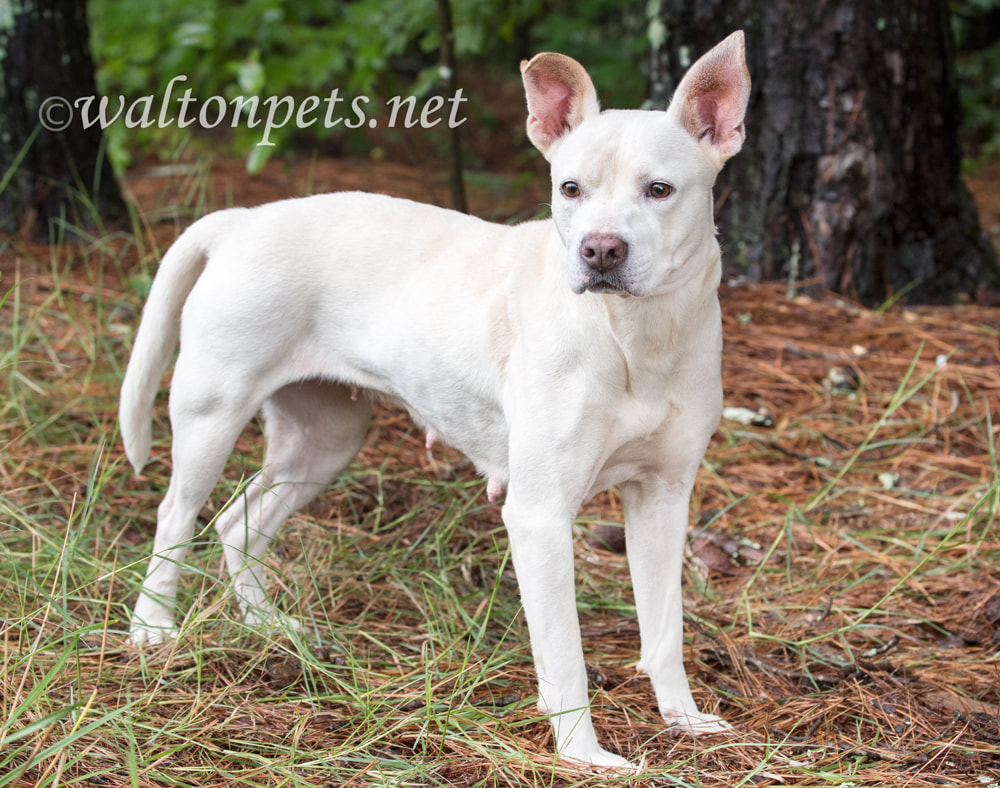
{"x":604,"y":256}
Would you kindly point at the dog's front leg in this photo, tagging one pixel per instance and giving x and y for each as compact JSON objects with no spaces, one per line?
{"x":542,"y":549}
{"x":656,"y":516}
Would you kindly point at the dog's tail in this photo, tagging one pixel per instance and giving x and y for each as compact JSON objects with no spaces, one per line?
{"x":158,"y":334}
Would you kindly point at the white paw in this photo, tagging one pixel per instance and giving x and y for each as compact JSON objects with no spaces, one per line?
{"x":696,"y":723}
{"x":270,"y":621}
{"x":597,"y":760}
{"x":152,"y":622}
{"x":145,"y":634}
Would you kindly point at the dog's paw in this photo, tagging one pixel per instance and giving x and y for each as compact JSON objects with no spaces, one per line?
{"x":152,"y":622}
{"x":148,"y":635}
{"x":598,"y":760}
{"x":270,"y":621}
{"x":696,"y":723}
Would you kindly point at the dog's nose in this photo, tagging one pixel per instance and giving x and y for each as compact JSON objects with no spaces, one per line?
{"x":603,"y":251}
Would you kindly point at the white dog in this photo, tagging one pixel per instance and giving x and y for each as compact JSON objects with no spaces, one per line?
{"x":562,"y":356}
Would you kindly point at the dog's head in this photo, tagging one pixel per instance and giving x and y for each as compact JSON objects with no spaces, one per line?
{"x":632,"y":189}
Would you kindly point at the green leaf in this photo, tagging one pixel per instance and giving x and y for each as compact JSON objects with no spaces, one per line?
{"x":258,"y":156}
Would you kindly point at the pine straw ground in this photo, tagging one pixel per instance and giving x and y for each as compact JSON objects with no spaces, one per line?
{"x":842,"y":589}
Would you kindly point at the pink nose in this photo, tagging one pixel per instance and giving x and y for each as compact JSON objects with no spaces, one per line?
{"x":603,"y":251}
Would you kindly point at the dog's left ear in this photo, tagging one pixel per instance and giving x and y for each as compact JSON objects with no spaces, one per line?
{"x":712,"y":98}
{"x":560,"y":96}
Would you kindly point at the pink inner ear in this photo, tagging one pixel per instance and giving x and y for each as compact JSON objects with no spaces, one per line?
{"x":719,"y":116}
{"x":717,"y":103}
{"x":707,"y":114}
{"x":551,"y":103}
{"x":714,"y":96}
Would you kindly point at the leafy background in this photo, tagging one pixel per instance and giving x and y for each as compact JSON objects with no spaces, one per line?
{"x":371,"y":48}
{"x":978,"y":71}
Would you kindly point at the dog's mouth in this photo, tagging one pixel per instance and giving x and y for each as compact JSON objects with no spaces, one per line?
{"x":605,"y":287}
{"x":606,"y":282}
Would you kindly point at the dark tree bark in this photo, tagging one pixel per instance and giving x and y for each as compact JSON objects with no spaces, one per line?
{"x":450,"y":80}
{"x":850,"y":175}
{"x":53,"y":175}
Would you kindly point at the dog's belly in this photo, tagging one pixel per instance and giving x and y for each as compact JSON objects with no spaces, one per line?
{"x":456,"y":403}
{"x":454,"y":394}
{"x":477,"y":430}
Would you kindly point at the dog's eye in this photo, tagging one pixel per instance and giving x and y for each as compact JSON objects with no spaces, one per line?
{"x":570,"y":189}
{"x":660,"y":189}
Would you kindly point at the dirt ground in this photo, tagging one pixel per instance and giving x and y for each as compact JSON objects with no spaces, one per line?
{"x":845,"y":515}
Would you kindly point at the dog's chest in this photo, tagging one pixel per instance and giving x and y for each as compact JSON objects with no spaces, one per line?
{"x":662,"y":424}
{"x":635,"y":440}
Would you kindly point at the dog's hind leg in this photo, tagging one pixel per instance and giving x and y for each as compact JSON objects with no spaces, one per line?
{"x":313,"y":431}
{"x":205,"y":427}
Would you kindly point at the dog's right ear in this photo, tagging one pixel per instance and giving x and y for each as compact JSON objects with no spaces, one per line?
{"x":560,"y":96}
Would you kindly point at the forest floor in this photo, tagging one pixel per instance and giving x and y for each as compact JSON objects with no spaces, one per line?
{"x":842,"y":587}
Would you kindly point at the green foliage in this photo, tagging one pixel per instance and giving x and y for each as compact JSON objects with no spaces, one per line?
{"x":978,"y":71}
{"x":369,"y":47}
{"x":364,"y":48}
{"x":583,"y":30}
{"x":260,"y":47}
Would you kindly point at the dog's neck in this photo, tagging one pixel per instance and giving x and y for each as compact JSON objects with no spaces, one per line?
{"x":676,"y":305}
{"x":657,"y":333}
{"x":686,"y":322}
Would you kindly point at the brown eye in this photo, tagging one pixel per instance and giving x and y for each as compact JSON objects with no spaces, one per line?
{"x":659,"y":190}
{"x":570,"y":189}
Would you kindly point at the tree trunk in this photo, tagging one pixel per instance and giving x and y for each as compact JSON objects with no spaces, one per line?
{"x":850,"y":175}
{"x":450,"y":82}
{"x":45,"y":66}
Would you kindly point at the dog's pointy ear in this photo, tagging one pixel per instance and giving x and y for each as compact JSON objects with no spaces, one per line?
{"x":712,"y":98}
{"x":560,"y":96}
